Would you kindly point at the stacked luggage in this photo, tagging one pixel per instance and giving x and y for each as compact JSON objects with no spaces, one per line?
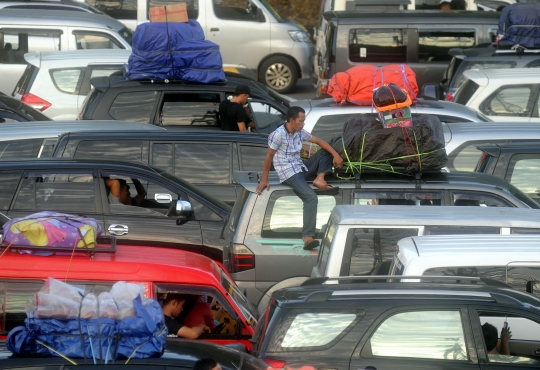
{"x":519,"y":25}
{"x":174,"y":51}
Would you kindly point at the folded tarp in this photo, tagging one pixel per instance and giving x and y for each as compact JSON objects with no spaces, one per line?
{"x":520,"y":25}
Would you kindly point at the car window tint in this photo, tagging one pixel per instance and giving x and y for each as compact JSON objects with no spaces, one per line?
{"x":330,"y":126}
{"x":20,"y":148}
{"x":123,"y":150}
{"x":192,"y":6}
{"x":461,"y":230}
{"x":18,"y":42}
{"x":13,"y":299}
{"x":90,"y":41}
{"x":523,"y":173}
{"x":202,"y":163}
{"x":232,"y":10}
{"x":162,"y":156}
{"x":370,"y":251}
{"x":465,"y":92}
{"x":468,"y":199}
{"x":398,"y":198}
{"x":134,"y":106}
{"x":47,"y":148}
{"x":377,"y":45}
{"x":465,"y":158}
{"x":441,"y":336}
{"x":10,"y":117}
{"x":96,"y":72}
{"x":459,"y":78}
{"x":117,"y":9}
{"x":433,"y":45}
{"x":67,"y":80}
{"x":284,"y":215}
{"x":202,"y":212}
{"x":510,"y":101}
{"x":196,"y":109}
{"x":62,"y":192}
{"x":9,"y":180}
{"x":252,"y":157}
{"x":326,"y":245}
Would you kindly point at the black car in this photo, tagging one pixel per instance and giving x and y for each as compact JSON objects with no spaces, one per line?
{"x":179,"y":214}
{"x":516,"y":162}
{"x":180,"y":354}
{"x":13,"y":110}
{"x":178,"y":104}
{"x":206,"y":159}
{"x":434,"y":324}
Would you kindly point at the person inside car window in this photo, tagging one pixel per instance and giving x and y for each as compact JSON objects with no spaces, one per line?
{"x":232,"y":113}
{"x":119,"y":192}
{"x":500,"y":352}
{"x":172,"y":307}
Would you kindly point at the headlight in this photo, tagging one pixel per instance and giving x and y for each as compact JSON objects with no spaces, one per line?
{"x":300,"y":36}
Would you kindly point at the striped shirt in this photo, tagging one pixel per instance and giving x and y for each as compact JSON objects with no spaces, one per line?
{"x":287,"y":160}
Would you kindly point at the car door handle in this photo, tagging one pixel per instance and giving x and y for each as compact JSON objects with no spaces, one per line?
{"x":214,"y":29}
{"x":537,"y":351}
{"x":118,"y":230}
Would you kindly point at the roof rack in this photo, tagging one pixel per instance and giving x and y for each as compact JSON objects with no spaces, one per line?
{"x":398,"y":171}
{"x":397,"y":278}
{"x":517,"y":50}
{"x":90,"y":251}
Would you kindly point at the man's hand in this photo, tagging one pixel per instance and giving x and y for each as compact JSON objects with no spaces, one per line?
{"x":263,"y":184}
{"x":338,"y":161}
{"x":506,"y":334}
{"x":206,"y":329}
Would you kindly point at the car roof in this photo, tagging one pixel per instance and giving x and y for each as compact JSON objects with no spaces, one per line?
{"x":224,"y":136}
{"x":481,"y":245}
{"x":311,"y":292}
{"x":512,"y":75}
{"x":127,"y":263}
{"x":70,"y":58}
{"x":58,"y":18}
{"x":520,"y":146}
{"x":492,"y":54}
{"x":410,"y":16}
{"x":357,"y":215}
{"x":52,"y":129}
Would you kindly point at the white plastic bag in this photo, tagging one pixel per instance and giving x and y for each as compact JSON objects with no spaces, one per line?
{"x":123,"y":294}
{"x":89,"y":307}
{"x":107,"y":306}
{"x":59,"y":288}
{"x":55,"y":306}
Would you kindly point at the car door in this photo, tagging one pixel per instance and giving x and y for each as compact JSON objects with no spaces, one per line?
{"x":69,"y":191}
{"x":487,"y":324}
{"x":153,"y":220}
{"x":267,"y":117}
{"x":418,"y":337}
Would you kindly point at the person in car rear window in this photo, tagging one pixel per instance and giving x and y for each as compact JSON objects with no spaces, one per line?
{"x":119,"y":192}
{"x":501,"y":352}
{"x":284,"y":146}
{"x":172,"y":307}
{"x":207,"y":364}
{"x":232,"y":113}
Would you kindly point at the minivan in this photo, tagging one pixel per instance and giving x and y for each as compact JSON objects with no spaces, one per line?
{"x":420,"y":38}
{"x":22,"y":31}
{"x":511,"y":259}
{"x":251,"y":35}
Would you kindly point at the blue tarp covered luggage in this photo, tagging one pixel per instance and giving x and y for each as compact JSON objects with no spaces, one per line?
{"x":520,"y":25}
{"x":174,"y":51}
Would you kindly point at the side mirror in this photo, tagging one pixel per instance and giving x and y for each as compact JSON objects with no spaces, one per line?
{"x":431,"y":91}
{"x":183,"y":211}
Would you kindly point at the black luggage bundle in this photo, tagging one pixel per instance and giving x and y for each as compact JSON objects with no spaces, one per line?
{"x":366,"y":144}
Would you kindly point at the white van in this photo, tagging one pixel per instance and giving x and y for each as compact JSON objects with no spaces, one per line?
{"x":23,"y":31}
{"x":361,"y":240}
{"x":254,"y":37}
{"x":511,"y":259}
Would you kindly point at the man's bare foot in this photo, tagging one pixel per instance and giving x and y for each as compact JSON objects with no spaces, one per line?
{"x":307,"y":239}
{"x":310,"y":243}
{"x":321,"y":184}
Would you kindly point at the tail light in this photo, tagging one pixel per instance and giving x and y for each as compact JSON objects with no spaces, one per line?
{"x":276,"y":364}
{"x":240,"y":258}
{"x":449,"y":96}
{"x":35,"y":102}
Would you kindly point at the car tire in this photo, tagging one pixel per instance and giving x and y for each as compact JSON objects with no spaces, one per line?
{"x":279,"y":73}
{"x":282,"y":284}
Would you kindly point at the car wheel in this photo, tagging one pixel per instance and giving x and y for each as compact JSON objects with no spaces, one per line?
{"x":279,"y":73}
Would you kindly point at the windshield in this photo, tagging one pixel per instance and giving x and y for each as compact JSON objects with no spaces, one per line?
{"x":275,"y":14}
{"x":241,"y":301}
{"x":126,"y":34}
{"x":458,"y":79}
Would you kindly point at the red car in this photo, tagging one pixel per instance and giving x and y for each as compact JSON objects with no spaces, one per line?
{"x":159,"y":270}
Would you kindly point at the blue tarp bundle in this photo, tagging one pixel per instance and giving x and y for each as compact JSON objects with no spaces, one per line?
{"x":141,"y":336}
{"x":520,"y":25}
{"x":174,"y":51}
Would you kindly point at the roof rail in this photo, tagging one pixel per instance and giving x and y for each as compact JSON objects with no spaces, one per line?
{"x":397,"y":278}
{"x":90,"y":251}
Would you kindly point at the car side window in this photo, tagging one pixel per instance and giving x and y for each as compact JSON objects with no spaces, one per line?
{"x":9,"y":180}
{"x":67,"y":80}
{"x":125,"y":150}
{"x":189,"y":109}
{"x":478,"y":199}
{"x":326,"y":245}
{"x":284,"y":215}
{"x":10,"y":117}
{"x":441,"y":337}
{"x":96,"y":40}
{"x":398,"y":198}
{"x":519,"y":349}
{"x":18,"y":42}
{"x":466,"y":157}
{"x":203,"y":163}
{"x":14,"y":149}
{"x":521,"y":173}
{"x":377,"y":45}
{"x":230,"y":10}
{"x":13,"y":298}
{"x":369,"y":251}
{"x":134,"y":106}
{"x":511,"y":100}
{"x":57,"y":191}
{"x":252,"y":157}
{"x":433,"y":45}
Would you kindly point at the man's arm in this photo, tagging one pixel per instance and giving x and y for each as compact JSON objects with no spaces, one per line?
{"x":266,"y":169}
{"x":242,"y":126}
{"x":141,"y":192}
{"x":338,"y":161}
{"x":192,"y":333}
{"x":506,"y":334}
{"x":114,"y":187}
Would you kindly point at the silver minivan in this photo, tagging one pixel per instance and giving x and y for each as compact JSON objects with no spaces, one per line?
{"x":253,"y":36}
{"x":23,"y":31}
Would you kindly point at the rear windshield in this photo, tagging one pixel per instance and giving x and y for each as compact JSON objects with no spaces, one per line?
{"x":26,"y":80}
{"x":523,"y":197}
{"x":237,"y":211}
{"x":89,"y":103}
{"x":459,"y":79}
{"x":465,"y":92}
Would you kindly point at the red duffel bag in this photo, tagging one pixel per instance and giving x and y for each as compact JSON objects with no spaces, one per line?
{"x":356,"y":85}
